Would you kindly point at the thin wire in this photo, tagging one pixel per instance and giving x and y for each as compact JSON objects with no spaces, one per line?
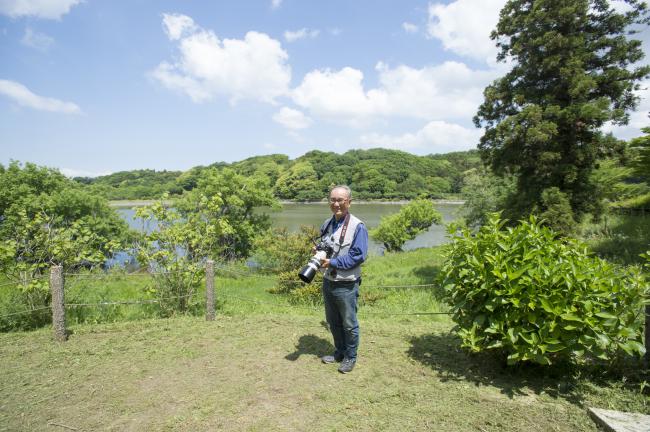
{"x":143,"y":301}
{"x":125,"y":274}
{"x":22,"y":282}
{"x":25,"y":312}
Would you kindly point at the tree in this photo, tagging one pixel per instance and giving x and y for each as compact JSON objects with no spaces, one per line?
{"x":45,"y":220}
{"x":484,"y":193}
{"x":642,"y":163}
{"x":299,"y":182}
{"x":217,"y":219}
{"x":572,"y":72}
{"x":395,"y":230}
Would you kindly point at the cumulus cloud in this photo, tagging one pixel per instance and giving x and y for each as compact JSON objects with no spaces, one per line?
{"x":464,"y":27}
{"x":292,"y":119}
{"x":276,"y":4}
{"x":409,"y":27}
{"x":447,"y":91}
{"x":254,"y":67}
{"x":176,"y":25}
{"x":303,"y":33}
{"x":435,"y":137}
{"x":24,"y":97}
{"x":339,"y":95}
{"x":46,"y":9}
{"x":36,"y":40}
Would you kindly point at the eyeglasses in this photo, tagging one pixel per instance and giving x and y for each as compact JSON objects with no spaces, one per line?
{"x":338,"y":200}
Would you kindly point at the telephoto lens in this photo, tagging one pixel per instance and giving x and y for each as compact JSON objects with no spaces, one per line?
{"x":307,"y":273}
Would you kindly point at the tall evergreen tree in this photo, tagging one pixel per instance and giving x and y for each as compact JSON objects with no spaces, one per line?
{"x":572,"y":72}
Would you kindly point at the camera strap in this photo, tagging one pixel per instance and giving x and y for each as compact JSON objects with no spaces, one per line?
{"x":344,"y":229}
{"x":332,"y":222}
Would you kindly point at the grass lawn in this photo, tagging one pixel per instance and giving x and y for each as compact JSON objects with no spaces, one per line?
{"x":262,"y":372}
{"x":257,"y":368}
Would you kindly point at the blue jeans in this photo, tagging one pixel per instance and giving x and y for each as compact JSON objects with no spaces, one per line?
{"x":340,"y":300}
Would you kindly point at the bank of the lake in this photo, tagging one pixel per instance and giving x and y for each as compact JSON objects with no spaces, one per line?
{"x":293,"y":215}
{"x":142,"y":203}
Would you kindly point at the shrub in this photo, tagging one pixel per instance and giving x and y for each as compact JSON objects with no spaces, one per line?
{"x":285,"y":254}
{"x":535,"y":297}
{"x":395,"y":230}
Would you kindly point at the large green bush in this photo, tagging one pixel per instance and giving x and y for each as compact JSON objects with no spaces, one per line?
{"x":527,"y":293}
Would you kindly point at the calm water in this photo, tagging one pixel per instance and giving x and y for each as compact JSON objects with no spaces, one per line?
{"x":292,"y":216}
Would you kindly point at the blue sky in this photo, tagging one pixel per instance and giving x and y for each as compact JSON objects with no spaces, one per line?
{"x":99,"y":86}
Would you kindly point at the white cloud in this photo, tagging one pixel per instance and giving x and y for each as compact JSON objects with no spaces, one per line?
{"x":464,"y":27}
{"x":409,"y":27}
{"x":292,"y":119}
{"x":177,"y":25}
{"x":39,"y":41}
{"x":251,"y":68}
{"x":339,"y":95}
{"x":435,"y":137}
{"x":292,"y":36}
{"x":276,"y":4}
{"x":23,"y":96}
{"x":47,"y":9}
{"x":447,"y":91}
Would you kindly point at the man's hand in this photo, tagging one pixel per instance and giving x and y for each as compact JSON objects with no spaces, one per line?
{"x":325,"y":263}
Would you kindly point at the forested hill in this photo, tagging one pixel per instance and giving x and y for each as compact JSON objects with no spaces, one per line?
{"x":372,"y":174}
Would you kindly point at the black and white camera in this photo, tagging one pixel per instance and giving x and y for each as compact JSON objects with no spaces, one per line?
{"x":323,"y":250}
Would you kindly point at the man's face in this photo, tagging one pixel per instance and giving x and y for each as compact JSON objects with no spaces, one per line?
{"x":339,"y":203}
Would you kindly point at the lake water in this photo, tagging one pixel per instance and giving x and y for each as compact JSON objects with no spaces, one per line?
{"x":293,"y":215}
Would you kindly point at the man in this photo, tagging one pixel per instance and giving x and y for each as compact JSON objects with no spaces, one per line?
{"x":342,"y":276}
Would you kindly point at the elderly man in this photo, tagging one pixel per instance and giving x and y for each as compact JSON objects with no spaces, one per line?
{"x":342,"y":276}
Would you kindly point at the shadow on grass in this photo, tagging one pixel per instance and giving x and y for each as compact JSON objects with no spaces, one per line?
{"x":311,"y":345}
{"x":442,"y":352}
{"x":626,"y":238}
{"x":428,"y":274}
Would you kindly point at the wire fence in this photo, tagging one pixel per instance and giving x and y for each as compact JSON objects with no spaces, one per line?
{"x":73,"y":278}
{"x":58,"y":306}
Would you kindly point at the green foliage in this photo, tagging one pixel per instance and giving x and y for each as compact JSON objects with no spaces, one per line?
{"x":227,"y":201}
{"x":395,"y":230}
{"x":534,"y":297}
{"x":285,"y":254}
{"x":216,"y":220}
{"x":619,"y":238}
{"x":299,"y":182}
{"x":642,"y":163}
{"x":372,"y":174}
{"x":572,"y":72}
{"x":136,"y":184}
{"x":556,"y":211}
{"x":484,"y":193}
{"x":174,"y":252}
{"x":46,"y":220}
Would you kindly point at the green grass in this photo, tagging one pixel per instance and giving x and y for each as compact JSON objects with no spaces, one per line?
{"x":260,"y":372}
{"x":257,"y":366}
{"x":619,"y":238}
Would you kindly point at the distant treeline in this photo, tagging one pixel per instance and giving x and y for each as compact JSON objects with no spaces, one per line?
{"x":372,"y":174}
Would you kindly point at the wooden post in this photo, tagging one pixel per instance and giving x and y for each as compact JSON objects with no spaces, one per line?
{"x":209,"y":290}
{"x":58,"y":303}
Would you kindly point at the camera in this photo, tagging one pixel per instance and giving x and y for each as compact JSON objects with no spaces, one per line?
{"x":307,"y":273}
